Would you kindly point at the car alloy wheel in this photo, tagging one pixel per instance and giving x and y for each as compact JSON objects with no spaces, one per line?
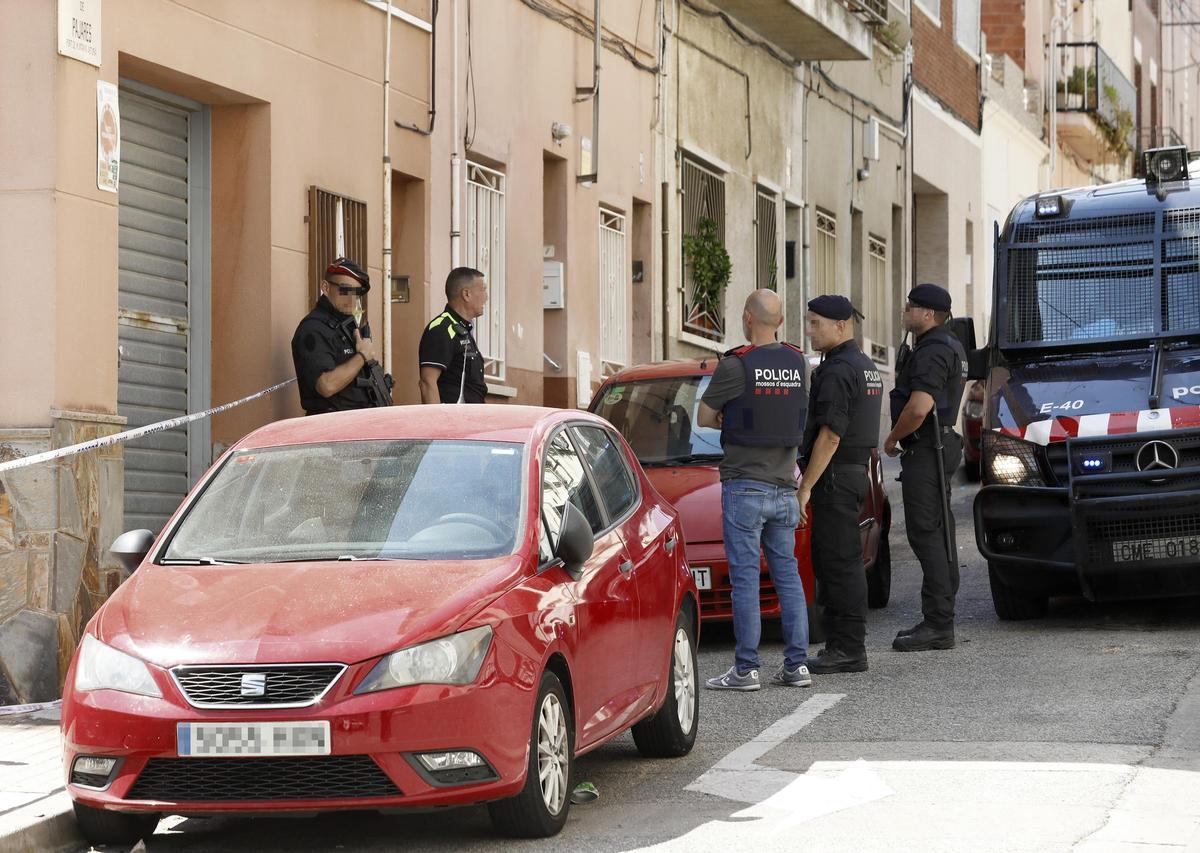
{"x":684,"y":677}
{"x":553,"y":753}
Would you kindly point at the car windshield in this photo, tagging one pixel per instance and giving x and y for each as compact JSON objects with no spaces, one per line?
{"x":408,"y":500}
{"x":659,"y":419}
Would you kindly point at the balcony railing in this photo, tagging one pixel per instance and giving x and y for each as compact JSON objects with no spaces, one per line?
{"x":871,"y":11}
{"x":1090,"y":82}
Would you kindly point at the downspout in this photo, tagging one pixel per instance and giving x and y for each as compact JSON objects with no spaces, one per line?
{"x":387,"y":192}
{"x":455,"y":158}
{"x":594,"y":93}
{"x":806,"y":223}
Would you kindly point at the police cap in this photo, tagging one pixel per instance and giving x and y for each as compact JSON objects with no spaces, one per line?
{"x":930,"y":296}
{"x":345,"y":266}
{"x":833,"y":307}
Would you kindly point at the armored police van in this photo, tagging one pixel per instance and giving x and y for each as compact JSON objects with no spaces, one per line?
{"x":1091,"y":431}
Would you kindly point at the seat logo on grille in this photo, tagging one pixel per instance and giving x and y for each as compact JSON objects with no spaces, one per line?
{"x":254,"y":684}
{"x":1157,"y":456}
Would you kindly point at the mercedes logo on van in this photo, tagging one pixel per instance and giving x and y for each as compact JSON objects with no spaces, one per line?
{"x":1157,"y":456}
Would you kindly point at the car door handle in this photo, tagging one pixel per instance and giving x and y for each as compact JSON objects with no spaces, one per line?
{"x":669,"y":545}
{"x":626,"y":568}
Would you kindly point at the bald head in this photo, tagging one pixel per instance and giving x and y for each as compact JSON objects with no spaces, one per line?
{"x":763,"y":316}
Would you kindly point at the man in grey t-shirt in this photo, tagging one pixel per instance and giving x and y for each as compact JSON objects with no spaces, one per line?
{"x":758,"y":398}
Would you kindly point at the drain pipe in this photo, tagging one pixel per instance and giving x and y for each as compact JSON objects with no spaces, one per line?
{"x":455,"y":159}
{"x":594,"y":94}
{"x":806,"y":223}
{"x":387,"y":192}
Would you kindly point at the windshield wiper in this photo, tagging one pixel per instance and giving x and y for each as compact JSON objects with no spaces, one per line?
{"x":198,"y":561}
{"x":689,"y":459}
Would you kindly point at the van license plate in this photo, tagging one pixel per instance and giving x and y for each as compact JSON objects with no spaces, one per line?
{"x":1145,"y":550}
{"x":703,"y":576}
{"x":241,"y":739}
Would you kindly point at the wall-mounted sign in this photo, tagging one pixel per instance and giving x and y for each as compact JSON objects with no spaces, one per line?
{"x":108,"y":137}
{"x":79,"y":30}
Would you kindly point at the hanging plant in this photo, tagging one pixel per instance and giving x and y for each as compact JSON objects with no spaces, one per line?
{"x":1116,"y":130}
{"x":710,"y":264}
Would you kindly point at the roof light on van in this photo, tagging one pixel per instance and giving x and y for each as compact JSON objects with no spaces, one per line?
{"x":1050,"y":205}
{"x":1166,"y":164}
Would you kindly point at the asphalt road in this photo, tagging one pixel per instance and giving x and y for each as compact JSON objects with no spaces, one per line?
{"x":1077,"y":732}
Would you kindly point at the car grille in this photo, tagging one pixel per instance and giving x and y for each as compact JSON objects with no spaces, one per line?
{"x":334,"y":777}
{"x":1141,"y":526}
{"x":287,"y":685}
{"x":1123,"y":453}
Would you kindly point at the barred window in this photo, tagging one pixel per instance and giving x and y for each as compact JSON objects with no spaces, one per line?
{"x":703,"y":212}
{"x":614,"y":292}
{"x":483,"y":246}
{"x":337,"y":228}
{"x":766,"y":240}
{"x":875,"y":326}
{"x":825,"y":256}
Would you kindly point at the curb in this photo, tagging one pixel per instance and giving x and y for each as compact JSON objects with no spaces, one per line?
{"x":45,"y":825}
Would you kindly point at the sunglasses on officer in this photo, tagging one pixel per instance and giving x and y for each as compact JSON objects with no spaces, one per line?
{"x":346,"y":290}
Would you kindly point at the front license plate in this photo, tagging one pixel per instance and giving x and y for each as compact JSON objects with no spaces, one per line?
{"x":240,"y":739}
{"x":1145,"y":550}
{"x":703,"y":576}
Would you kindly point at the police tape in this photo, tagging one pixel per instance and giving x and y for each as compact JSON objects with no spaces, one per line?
{"x":30,"y":708}
{"x":149,"y":429}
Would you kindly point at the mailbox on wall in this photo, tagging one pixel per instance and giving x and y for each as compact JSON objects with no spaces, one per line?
{"x":552,"y":284}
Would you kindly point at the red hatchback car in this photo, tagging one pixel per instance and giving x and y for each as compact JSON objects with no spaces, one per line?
{"x":655,"y":407}
{"x":393,"y":608}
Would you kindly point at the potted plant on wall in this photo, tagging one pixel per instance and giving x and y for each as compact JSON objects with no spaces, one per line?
{"x":711,"y":270}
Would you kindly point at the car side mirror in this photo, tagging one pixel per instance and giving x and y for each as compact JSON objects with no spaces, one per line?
{"x":131,"y":548}
{"x":977,"y":364}
{"x":575,"y":540}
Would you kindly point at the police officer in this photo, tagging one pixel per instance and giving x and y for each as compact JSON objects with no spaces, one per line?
{"x":929,"y":388}
{"x":328,"y":349}
{"x":843,"y":427}
{"x":756,"y":398}
{"x":450,"y":365}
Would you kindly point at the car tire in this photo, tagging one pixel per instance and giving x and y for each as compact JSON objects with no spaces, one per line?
{"x":1013,"y":604}
{"x":879,"y":579}
{"x":104,"y":827}
{"x":671,"y":732}
{"x":971,"y":470}
{"x":540,"y":809}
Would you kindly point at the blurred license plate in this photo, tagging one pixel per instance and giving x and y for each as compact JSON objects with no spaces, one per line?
{"x":703,"y":576}
{"x":238,"y":739}
{"x":1171,"y":548}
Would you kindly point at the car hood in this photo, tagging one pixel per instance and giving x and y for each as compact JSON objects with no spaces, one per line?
{"x":292,"y":612}
{"x":695,"y":491}
{"x":1024,"y":393}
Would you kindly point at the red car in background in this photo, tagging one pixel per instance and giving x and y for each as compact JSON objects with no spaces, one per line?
{"x":973,"y":429}
{"x":385,"y":609}
{"x":654,"y":407}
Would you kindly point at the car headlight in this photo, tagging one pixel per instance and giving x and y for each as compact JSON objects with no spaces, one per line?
{"x":1010,"y":461}
{"x":102,"y":667}
{"x":451,"y":660}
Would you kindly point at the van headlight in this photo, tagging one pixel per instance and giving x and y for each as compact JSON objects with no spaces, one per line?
{"x":102,"y":667}
{"x":450,"y":660}
{"x":1009,"y":461}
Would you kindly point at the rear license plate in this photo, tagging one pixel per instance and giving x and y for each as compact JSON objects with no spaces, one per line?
{"x":1143,"y":550}
{"x":703,"y":576}
{"x":240,"y":739}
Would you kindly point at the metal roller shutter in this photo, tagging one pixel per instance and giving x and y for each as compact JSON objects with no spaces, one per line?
{"x":153,"y":317}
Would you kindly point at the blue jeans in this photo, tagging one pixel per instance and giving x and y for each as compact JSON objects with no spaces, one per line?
{"x":761,"y":515}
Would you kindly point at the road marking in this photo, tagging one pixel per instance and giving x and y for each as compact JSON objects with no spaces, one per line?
{"x":737,"y":777}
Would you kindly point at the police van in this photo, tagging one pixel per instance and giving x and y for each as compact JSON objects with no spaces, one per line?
{"x":1091,"y":431}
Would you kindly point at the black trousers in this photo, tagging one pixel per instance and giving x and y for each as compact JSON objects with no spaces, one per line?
{"x":837,"y":556}
{"x":925,"y":521}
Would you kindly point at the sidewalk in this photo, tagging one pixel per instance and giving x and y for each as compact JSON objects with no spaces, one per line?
{"x":35,"y":812}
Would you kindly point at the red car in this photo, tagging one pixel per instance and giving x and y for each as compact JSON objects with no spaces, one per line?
{"x":403,"y":607}
{"x":655,"y":408}
{"x":973,"y":429}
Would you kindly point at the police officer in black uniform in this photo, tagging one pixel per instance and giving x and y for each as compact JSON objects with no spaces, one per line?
{"x":451,"y":368}
{"x":929,"y":388}
{"x":329,"y":351}
{"x":843,"y":427}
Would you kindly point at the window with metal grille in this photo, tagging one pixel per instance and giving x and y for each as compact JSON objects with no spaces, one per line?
{"x":825,"y":256}
{"x":875,"y":326}
{"x":614,"y":292}
{"x":483,"y":249}
{"x":337,"y":228}
{"x":703,"y":203}
{"x":766,"y":240}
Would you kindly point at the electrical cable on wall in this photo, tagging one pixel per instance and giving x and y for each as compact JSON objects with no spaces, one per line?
{"x":582,"y":26}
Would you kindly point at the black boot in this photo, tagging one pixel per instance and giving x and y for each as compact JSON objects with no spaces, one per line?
{"x":924,"y":638}
{"x":910,"y":631}
{"x":835,"y":660}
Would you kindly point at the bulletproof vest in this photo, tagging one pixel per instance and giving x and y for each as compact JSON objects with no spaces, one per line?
{"x":336,"y":333}
{"x":946,"y":401}
{"x":862,"y":433}
{"x":774,"y":402}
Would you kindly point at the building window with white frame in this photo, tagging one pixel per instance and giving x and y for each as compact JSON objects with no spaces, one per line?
{"x":966,"y":25}
{"x":932,"y":8}
{"x":875,"y":327}
{"x":702,"y":211}
{"x":825,"y":256}
{"x":483,"y":249}
{"x":614,"y":292}
{"x":766,"y":240}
